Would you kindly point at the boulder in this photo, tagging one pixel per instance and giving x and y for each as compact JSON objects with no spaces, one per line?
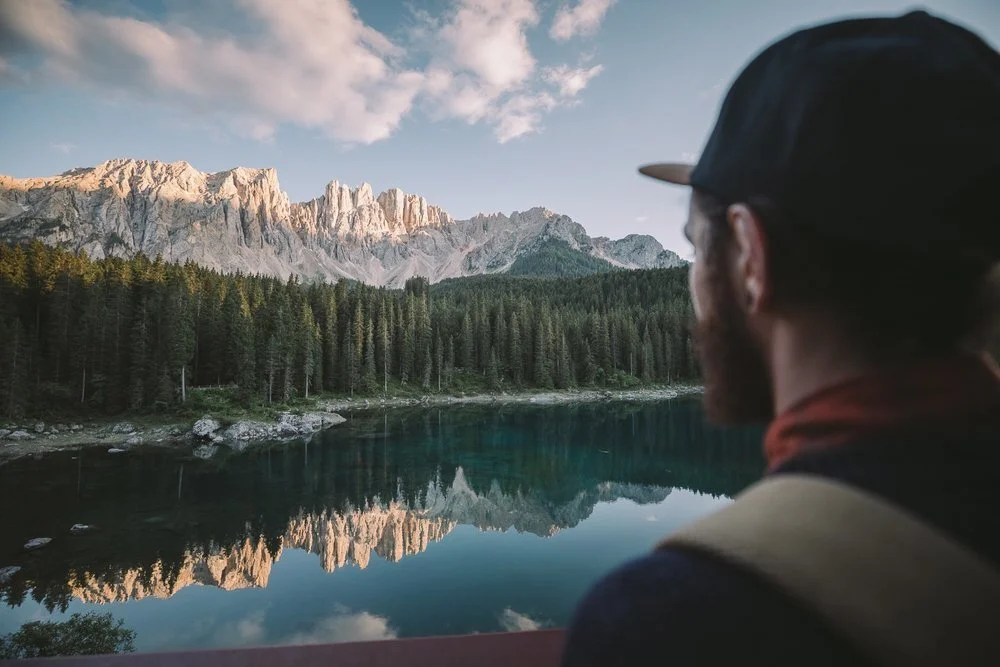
{"x":244,"y":431}
{"x":80,"y":528}
{"x":123,"y":428}
{"x":37,"y":542}
{"x":40,"y":427}
{"x":290,"y":425}
{"x":20,"y":435}
{"x":134,"y":440}
{"x":205,"y":427}
{"x":116,"y":450}
{"x":75,"y":427}
{"x":4,"y":432}
{"x":7,"y":573}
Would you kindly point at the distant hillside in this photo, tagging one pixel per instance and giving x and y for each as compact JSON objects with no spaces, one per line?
{"x":555,"y":258}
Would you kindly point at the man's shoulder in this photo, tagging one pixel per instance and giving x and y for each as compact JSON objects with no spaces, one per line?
{"x":687,"y":608}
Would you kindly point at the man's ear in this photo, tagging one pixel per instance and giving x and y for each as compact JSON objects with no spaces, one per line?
{"x":752,"y":261}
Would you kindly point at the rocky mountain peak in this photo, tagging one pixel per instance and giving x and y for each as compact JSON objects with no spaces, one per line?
{"x":240,"y":220}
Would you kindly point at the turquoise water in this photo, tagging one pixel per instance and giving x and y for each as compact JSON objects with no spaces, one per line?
{"x":406,"y":523}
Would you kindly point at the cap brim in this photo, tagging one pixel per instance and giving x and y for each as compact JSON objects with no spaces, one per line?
{"x":671,"y":172}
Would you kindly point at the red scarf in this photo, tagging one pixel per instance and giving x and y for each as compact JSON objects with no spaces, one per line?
{"x":956,"y":392}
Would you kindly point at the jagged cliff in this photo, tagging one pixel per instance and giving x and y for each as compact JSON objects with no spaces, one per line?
{"x":241,"y":220}
{"x":392,"y":530}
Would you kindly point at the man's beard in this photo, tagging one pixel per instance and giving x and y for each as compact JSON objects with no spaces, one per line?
{"x":737,"y":383}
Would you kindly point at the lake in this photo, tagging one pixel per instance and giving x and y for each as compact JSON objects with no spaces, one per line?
{"x":395,"y":524}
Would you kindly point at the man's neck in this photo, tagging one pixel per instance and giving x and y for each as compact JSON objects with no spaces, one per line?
{"x":811,"y":355}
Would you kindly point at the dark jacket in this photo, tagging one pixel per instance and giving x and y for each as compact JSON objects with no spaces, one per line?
{"x":681,"y":608}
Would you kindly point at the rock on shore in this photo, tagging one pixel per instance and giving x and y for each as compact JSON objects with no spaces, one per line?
{"x":242,"y":433}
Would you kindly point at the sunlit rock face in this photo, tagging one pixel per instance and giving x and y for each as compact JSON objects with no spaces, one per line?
{"x":391,"y":530}
{"x":241,"y":220}
{"x":243,"y":565}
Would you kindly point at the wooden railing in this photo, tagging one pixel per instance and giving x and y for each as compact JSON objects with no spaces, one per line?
{"x":540,"y":648}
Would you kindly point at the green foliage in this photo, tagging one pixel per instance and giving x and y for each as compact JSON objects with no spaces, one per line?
{"x":555,"y":258}
{"x":82,"y":634}
{"x":102,"y":337}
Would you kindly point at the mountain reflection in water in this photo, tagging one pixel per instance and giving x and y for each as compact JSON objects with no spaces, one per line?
{"x":385,"y":486}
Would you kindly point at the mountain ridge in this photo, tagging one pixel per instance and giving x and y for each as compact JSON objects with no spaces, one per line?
{"x":241,"y":220}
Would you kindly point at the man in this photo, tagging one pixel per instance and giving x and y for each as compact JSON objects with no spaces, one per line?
{"x":845,"y":215}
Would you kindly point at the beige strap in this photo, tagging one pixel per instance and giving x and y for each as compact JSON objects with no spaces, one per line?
{"x":898,"y":589}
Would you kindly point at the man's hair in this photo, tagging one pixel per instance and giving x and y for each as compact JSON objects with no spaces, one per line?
{"x":891,"y":300}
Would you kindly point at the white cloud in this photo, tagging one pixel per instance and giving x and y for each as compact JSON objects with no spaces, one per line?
{"x":246,"y":631}
{"x":483,"y":69}
{"x":310,"y":63}
{"x":486,"y":38}
{"x":689,"y":157}
{"x":64,"y":147}
{"x":344,"y":626}
{"x":641,"y":218}
{"x":314,"y":63}
{"x":522,"y":115}
{"x":583,"y":19}
{"x":513,"y":621}
{"x":570,"y":81}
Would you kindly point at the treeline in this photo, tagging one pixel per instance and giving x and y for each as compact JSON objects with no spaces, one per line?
{"x":136,"y":334}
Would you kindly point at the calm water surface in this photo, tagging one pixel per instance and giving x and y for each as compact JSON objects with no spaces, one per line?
{"x":407,"y":523}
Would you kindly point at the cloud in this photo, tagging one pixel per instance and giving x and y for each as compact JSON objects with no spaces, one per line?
{"x":513,"y":621}
{"x":242,"y":632}
{"x":583,"y":19}
{"x":310,"y":63}
{"x":313,"y":63}
{"x":483,"y":68}
{"x":570,"y":82}
{"x":344,"y":626}
{"x":65,"y":147}
{"x":689,"y":157}
{"x":641,"y":218}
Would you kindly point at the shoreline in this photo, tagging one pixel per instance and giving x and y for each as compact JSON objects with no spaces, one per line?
{"x":126,"y":434}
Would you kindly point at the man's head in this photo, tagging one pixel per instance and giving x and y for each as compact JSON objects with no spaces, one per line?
{"x":844,"y":198}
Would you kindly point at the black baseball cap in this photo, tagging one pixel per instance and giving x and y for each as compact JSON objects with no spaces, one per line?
{"x":880,"y":130}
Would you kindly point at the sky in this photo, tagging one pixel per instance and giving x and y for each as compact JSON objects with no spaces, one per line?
{"x":478,"y":105}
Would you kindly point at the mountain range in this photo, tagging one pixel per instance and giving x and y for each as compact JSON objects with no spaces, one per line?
{"x":241,"y":220}
{"x":391,"y":530}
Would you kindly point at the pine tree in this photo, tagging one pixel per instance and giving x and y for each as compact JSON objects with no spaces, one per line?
{"x":646,"y":361}
{"x":307,"y":346}
{"x":13,"y":368}
{"x":543,"y":354}
{"x":368,"y":367}
{"x":467,"y":356}
{"x":493,"y":371}
{"x":515,"y":354}
{"x":564,"y":375}
{"x":239,"y":352}
{"x":438,"y":358}
{"x":178,"y":327}
{"x":383,"y":353}
{"x":139,"y":359}
{"x":349,"y":362}
{"x":589,"y":366}
{"x":408,"y":342}
{"x":330,"y":334}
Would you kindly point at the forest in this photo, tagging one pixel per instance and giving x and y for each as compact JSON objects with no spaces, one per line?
{"x":117,"y":335}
